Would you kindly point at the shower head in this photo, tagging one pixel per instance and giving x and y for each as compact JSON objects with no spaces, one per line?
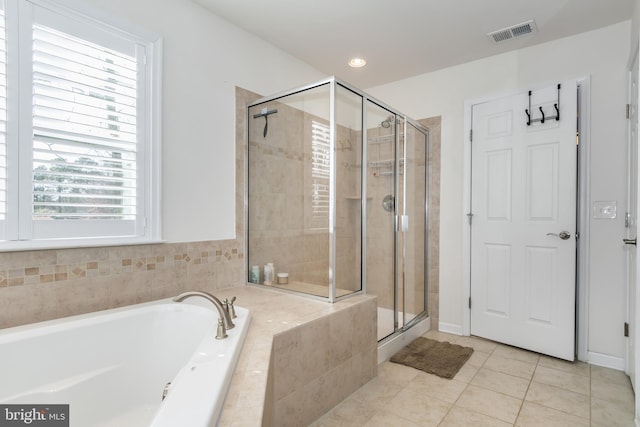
{"x":386,"y":123}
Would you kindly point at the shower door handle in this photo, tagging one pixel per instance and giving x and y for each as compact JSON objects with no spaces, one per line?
{"x":402,"y":223}
{"x":405,"y":223}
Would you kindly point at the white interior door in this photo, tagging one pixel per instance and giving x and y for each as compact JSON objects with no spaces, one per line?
{"x":523,"y":246}
{"x":631,"y":220}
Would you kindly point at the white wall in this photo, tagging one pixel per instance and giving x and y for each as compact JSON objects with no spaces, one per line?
{"x":205,"y":57}
{"x":601,"y":54}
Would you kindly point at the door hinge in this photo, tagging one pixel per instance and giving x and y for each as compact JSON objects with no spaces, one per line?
{"x":469,"y":217}
{"x":469,"y":302}
{"x":628,"y":111}
{"x":470,"y":135}
{"x":626,"y":329}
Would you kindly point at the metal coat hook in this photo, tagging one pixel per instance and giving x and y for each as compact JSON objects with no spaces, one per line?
{"x":542,"y":119}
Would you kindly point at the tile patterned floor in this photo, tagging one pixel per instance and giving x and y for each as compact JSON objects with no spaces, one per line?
{"x":498,"y":386}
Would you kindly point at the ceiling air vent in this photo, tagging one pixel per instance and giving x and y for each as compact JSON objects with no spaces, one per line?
{"x":513,"y":31}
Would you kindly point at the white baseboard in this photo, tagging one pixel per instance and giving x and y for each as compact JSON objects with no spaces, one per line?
{"x":606,"y":360}
{"x":395,"y":344}
{"x":450,"y":328}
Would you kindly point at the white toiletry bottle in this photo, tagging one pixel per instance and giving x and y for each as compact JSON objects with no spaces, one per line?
{"x":268,"y":274}
{"x":273,"y":271}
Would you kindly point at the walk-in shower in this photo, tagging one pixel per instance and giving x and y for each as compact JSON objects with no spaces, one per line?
{"x":337,"y":199}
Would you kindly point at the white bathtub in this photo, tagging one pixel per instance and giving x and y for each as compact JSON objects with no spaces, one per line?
{"x":111,"y":367}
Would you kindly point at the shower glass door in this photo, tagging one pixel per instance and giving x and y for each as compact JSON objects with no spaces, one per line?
{"x":380,"y":241}
{"x":396,"y":219}
{"x":412,"y":205}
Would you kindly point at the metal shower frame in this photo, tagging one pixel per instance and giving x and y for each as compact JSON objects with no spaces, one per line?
{"x":334,"y":83}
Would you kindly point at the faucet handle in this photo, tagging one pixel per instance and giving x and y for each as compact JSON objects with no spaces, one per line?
{"x":230,"y":308}
{"x":221,"y":333}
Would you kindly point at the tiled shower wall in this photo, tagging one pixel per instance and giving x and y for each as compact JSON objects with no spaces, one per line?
{"x":283,"y":229}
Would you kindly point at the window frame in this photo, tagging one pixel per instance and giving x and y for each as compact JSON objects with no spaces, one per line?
{"x":20,"y":225}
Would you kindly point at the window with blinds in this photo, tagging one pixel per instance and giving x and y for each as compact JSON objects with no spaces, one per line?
{"x":84,"y":129}
{"x":320,"y":175}
{"x":77,"y":164}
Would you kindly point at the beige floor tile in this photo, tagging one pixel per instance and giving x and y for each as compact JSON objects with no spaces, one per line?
{"x":377,"y":392}
{"x":461,"y":417}
{"x":440,"y":336}
{"x":610,"y":376}
{"x":434,"y":386}
{"x":466,"y":373}
{"x":491,"y":403}
{"x":561,"y":379}
{"x":614,"y":393}
{"x":418,"y":408}
{"x":383,"y":418}
{"x":558,"y":398}
{"x":513,"y":367}
{"x":477,"y":343}
{"x":351,"y":412}
{"x":610,"y":414}
{"x":396,"y":373}
{"x":502,"y":383}
{"x":534,"y":415}
{"x":578,"y":368}
{"x":478,"y":358}
{"x":509,"y":352}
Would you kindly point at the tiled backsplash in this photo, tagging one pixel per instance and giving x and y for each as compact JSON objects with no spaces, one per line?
{"x":43,"y":285}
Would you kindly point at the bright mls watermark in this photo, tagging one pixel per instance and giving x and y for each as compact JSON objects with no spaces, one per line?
{"x":34,"y":415}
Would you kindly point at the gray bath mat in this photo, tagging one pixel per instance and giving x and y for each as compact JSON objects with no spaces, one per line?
{"x":440,"y":358}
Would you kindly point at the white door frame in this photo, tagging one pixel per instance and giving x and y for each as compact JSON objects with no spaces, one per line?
{"x":634,"y":329}
{"x":583,"y":203}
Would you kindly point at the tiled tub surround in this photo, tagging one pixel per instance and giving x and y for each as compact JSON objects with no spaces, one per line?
{"x":301,"y":357}
{"x":49,"y":284}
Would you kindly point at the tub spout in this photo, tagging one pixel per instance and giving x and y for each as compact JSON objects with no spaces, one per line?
{"x":224,"y":321}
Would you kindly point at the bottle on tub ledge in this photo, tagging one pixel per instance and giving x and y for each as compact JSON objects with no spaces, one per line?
{"x":269,"y":273}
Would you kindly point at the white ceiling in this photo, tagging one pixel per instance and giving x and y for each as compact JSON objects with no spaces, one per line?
{"x":404,"y":38}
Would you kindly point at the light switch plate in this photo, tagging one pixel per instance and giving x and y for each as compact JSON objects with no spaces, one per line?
{"x":605,"y":209}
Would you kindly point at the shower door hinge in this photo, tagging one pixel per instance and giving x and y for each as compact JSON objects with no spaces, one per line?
{"x":626,"y":329}
{"x":628,"y":111}
{"x":469,"y":217}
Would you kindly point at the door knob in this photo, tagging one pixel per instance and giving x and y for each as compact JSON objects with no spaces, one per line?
{"x":630,"y":241}
{"x":564,"y":235}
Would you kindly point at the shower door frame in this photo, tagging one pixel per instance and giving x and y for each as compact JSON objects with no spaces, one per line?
{"x":333,"y":83}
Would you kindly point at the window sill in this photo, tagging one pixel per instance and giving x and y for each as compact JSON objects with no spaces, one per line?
{"x":36,"y":245}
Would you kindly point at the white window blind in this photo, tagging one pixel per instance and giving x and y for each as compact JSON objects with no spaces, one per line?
{"x":84,"y":129}
{"x":320,"y":175}
{"x":79,"y":128}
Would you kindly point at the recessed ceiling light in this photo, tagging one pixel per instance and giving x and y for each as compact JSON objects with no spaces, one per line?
{"x":357,"y":62}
